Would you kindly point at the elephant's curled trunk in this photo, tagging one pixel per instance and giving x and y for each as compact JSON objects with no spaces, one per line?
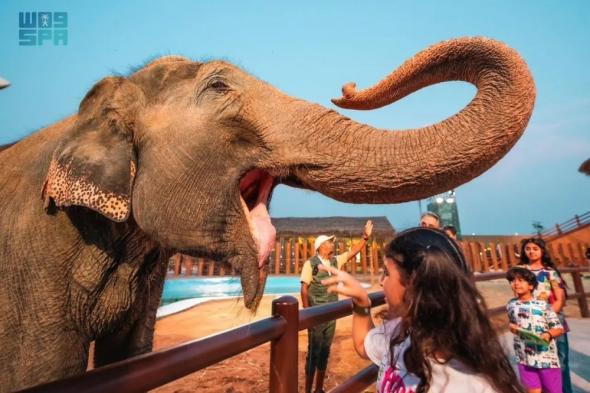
{"x":378,"y":166}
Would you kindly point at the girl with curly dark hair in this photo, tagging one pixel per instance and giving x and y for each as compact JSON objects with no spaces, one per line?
{"x":438,"y":337}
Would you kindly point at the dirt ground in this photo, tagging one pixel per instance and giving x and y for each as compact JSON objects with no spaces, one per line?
{"x":249,"y":371}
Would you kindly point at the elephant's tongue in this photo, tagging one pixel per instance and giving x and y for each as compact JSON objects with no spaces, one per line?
{"x":263,"y":232}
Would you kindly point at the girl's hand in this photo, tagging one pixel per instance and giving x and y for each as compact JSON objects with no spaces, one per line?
{"x":344,"y":284}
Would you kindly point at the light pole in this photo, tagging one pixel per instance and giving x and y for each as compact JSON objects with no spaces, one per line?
{"x":445,"y":205}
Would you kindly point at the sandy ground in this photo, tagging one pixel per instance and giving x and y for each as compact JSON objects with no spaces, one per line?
{"x":248,"y":372}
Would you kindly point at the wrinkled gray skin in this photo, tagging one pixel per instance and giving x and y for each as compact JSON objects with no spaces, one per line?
{"x":170,"y":144}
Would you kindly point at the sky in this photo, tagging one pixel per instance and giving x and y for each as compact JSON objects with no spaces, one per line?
{"x":309,"y":50}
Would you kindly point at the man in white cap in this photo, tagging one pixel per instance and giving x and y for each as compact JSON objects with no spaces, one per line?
{"x":313,"y":293}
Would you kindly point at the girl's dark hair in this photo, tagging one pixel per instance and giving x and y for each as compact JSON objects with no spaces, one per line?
{"x":522,"y":273}
{"x":545,"y":257}
{"x":445,"y":313}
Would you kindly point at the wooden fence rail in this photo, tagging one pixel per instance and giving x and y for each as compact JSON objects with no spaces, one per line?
{"x":567,"y":226}
{"x":155,"y":369}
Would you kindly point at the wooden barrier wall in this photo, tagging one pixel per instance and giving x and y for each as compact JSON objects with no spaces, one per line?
{"x":489,"y":257}
{"x":287,"y":258}
{"x":290,"y":253}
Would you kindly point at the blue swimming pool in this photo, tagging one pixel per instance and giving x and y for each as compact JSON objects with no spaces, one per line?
{"x":176,"y":289}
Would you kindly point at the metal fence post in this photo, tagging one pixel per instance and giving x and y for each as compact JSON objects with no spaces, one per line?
{"x":284,"y":350}
{"x":582,"y":301}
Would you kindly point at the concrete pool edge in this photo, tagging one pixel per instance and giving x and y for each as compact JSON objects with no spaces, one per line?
{"x":187,"y":304}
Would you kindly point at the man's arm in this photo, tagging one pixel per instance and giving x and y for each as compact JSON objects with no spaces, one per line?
{"x":359,"y":246}
{"x":356,"y":249}
{"x":306,"y":276}
{"x":304,"y":298}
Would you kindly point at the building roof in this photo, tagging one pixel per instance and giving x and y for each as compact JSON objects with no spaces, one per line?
{"x":339,"y":226}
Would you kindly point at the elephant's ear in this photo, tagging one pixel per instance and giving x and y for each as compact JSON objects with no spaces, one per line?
{"x":95,"y":166}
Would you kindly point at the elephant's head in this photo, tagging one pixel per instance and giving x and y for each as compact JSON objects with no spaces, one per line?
{"x":192,"y":151}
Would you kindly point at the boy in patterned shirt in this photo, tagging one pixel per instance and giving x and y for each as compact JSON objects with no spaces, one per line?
{"x":535,"y":325}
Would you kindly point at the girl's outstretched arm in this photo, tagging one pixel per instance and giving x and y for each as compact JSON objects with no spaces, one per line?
{"x":344,"y":284}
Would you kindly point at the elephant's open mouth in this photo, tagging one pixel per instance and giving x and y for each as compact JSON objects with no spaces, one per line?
{"x":255,"y":189}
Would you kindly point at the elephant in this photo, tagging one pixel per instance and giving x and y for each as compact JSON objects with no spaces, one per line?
{"x":183,"y":156}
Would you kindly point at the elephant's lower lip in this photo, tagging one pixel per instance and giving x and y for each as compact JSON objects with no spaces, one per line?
{"x":255,"y":189}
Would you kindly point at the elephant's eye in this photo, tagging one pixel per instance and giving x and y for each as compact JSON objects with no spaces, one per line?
{"x":218,"y":85}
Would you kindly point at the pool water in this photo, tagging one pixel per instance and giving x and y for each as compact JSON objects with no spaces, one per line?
{"x":176,"y":289}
